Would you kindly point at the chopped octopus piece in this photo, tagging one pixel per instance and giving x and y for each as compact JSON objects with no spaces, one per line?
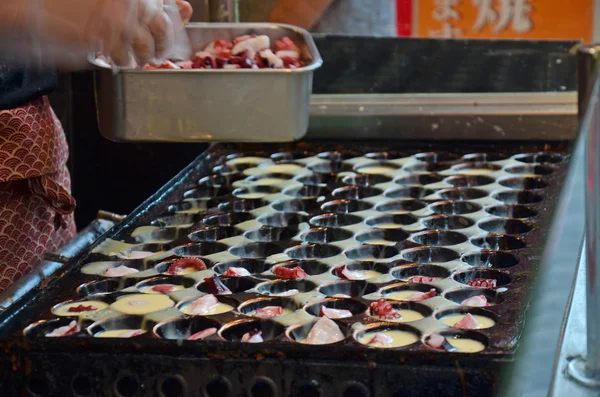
{"x":204,"y":60}
{"x":164,"y":65}
{"x":219,"y":47}
{"x":289,"y":292}
{"x":255,"y":44}
{"x":236,"y":272}
{"x":478,"y":301}
{"x":384,"y":310}
{"x":203,"y":305}
{"x":216,"y":286}
{"x":81,"y":308}
{"x":185,"y":64}
{"x":273,"y":60}
{"x":180,"y":265}
{"x":268,"y":312}
{"x":285,"y":44}
{"x":435,"y":341}
{"x":293,"y":54}
{"x":323,"y":332}
{"x":131,"y":334}
{"x":66,"y":330}
{"x":252,"y":337}
{"x":203,"y":334}
{"x":482,"y":282}
{"x":120,"y":271}
{"x":421,"y":296}
{"x":291,"y":63}
{"x":468,"y":322}
{"x":347,"y":274}
{"x":423,"y":279}
{"x":341,"y":296}
{"x":334,"y":313}
{"x":381,"y":339}
{"x":164,"y":288}
{"x":239,"y":39}
{"x":284,"y":272}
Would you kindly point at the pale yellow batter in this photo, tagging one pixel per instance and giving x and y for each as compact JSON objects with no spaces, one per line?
{"x":216,"y":309}
{"x":484,"y":322}
{"x":465,"y":345}
{"x":268,"y":181}
{"x":376,"y":169}
{"x":407,"y":316}
{"x":116,"y":333}
{"x":64,"y":309}
{"x":388,"y":226}
{"x":400,"y":295}
{"x":140,"y":304}
{"x":252,"y":195}
{"x":379,"y":242}
{"x":363,"y":274}
{"x":400,"y":339}
{"x":149,"y":290}
{"x":282,"y":168}
{"x":246,"y":160}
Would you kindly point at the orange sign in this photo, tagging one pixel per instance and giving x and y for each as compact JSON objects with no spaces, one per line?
{"x":509,"y":19}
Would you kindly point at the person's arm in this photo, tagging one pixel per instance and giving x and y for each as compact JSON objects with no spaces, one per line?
{"x":302,"y":13}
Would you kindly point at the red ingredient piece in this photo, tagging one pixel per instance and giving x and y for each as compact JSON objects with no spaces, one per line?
{"x":184,"y":263}
{"x":381,"y":339}
{"x":236,"y":272}
{"x":164,"y":289}
{"x":222,"y":45}
{"x":435,"y":341}
{"x":421,"y":296}
{"x":478,"y":301}
{"x":339,"y":271}
{"x":149,"y":67}
{"x":66,"y":330}
{"x":468,"y":322}
{"x":185,"y":64}
{"x":204,"y":63}
{"x":203,"y":334}
{"x":482,"y":282}
{"x":289,"y":62}
{"x":334,"y":313}
{"x":254,"y":336}
{"x":285,"y":44}
{"x":423,"y":279}
{"x":260,"y":62}
{"x":239,"y":39}
{"x":384,"y":310}
{"x":81,"y":308}
{"x":216,"y":286}
{"x":284,"y":272}
{"x":269,"y":312}
{"x":167,"y":65}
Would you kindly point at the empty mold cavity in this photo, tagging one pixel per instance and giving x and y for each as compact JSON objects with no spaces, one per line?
{"x":320,"y":180}
{"x":371,"y":253}
{"x":253,"y":266}
{"x":218,"y":180}
{"x":282,"y":219}
{"x":313,"y":251}
{"x":176,"y":220}
{"x":356,"y":192}
{"x":524,"y":182}
{"x":459,"y":295}
{"x":347,"y":288}
{"x":269,"y":233}
{"x":484,"y":157}
{"x":206,"y":192}
{"x":539,"y":158}
{"x":391,"y":155}
{"x":468,"y":276}
{"x":365,"y":179}
{"x":285,"y":287}
{"x":289,"y":156}
{"x":184,"y":327}
{"x":391,"y":221}
{"x":420,"y":179}
{"x":200,"y":249}
{"x":439,"y":238}
{"x":227,"y":219}
{"x":406,"y":272}
{"x":310,"y":267}
{"x":255,"y":192}
{"x":353,"y":306}
{"x":487,"y":258}
{"x":400,"y":206}
{"x":307,"y":191}
{"x":436,"y":157}
{"x":454,"y":207}
{"x":299,"y":333}
{"x":511,"y":211}
{"x":475,"y":168}
{"x":530,"y":169}
{"x":428,"y":167}
{"x":256,"y":250}
{"x":179,"y":281}
{"x":382,"y":236}
{"x":165,"y":235}
{"x":106,"y":286}
{"x":339,"y":155}
{"x":295,"y":205}
{"x":463,"y":193}
{"x":430,"y":255}
{"x":403,"y":335}
{"x":326,"y":235}
{"x":346,"y":206}
{"x":269,"y":178}
{"x":376,"y":167}
{"x":485,"y":318}
{"x":404,"y":291}
{"x":235,"y":284}
{"x":213,"y":233}
{"x":517,"y":197}
{"x":235,"y":330}
{"x":505,"y":226}
{"x":335,"y":220}
{"x":332,"y":167}
{"x":498,"y":242}
{"x":229,"y":170}
{"x":469,"y":180}
{"x":407,"y":192}
{"x":447,"y":222}
{"x":242,"y":205}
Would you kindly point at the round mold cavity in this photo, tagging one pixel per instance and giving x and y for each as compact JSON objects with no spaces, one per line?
{"x":295,"y":205}
{"x":290,"y":156}
{"x":256,"y":179}
{"x":299,"y":333}
{"x":326,"y":235}
{"x":469,"y":180}
{"x":346,"y":206}
{"x":484,"y":157}
{"x":447,"y":222}
{"x":250,"y":306}
{"x":231,"y":170}
{"x":463,"y":193}
{"x":116,"y":323}
{"x":391,"y":221}
{"x":103,"y":287}
{"x":511,"y":211}
{"x":391,"y":155}
{"x":498,"y":242}
{"x":254,"y":192}
{"x":375,"y":269}
{"x":371,"y":253}
{"x":268,"y":233}
{"x":145,"y":249}
{"x":172,"y":280}
{"x":329,"y":167}
{"x":254,"y":266}
{"x":256,"y":250}
{"x":184,"y":327}
{"x":163,"y":267}
{"x":419,"y":179}
{"x":376,"y":167}
{"x":224,"y":299}
{"x":206,"y":192}
{"x":339,"y":155}
{"x":450,"y":207}
{"x":163,"y":235}
{"x":383,"y":327}
{"x":530,"y":169}
{"x":475,"y":168}
{"x":426,"y":255}
{"x":335,"y":220}
{"x":242,"y":205}
{"x":427,"y":167}
{"x":452,"y":333}
{"x":517,"y":197}
{"x":307,"y":191}
{"x":213,"y":233}
{"x":227,"y":219}
{"x":285,"y":287}
{"x":176,"y":220}
{"x":365,"y":179}
{"x":310,"y":267}
{"x":320,"y":180}
{"x":404,"y":273}
{"x":493,"y":259}
{"x":523,"y":182}
{"x":436,"y":157}
{"x":539,"y":158}
{"x":438,"y":238}
{"x":200,"y":249}
{"x":282,"y":219}
{"x":399,"y":207}
{"x":356,"y":192}
{"x":420,"y":308}
{"x":41,"y":328}
{"x":464,"y":310}
{"x":412,"y":288}
{"x":379,"y":236}
{"x":235,"y":330}
{"x":459,"y":295}
{"x":218,"y":180}
{"x":409,"y":192}
{"x":347,"y":288}
{"x":353,"y":306}
{"x":467,"y":276}
{"x":505,"y":226}
{"x":313,"y":251}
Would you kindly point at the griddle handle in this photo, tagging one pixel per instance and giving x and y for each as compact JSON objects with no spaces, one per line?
{"x":109,"y":216}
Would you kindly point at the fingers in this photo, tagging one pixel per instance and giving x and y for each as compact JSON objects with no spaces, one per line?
{"x":161,"y":29}
{"x":185,"y":10}
{"x":143,"y":46}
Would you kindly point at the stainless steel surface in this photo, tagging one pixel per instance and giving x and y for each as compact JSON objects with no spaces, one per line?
{"x":109,"y":216}
{"x":45,"y":269}
{"x":505,"y":116}
{"x":587,"y":59}
{"x":202,"y":105}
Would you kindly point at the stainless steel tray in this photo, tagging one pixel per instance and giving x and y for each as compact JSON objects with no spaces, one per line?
{"x":203,"y":105}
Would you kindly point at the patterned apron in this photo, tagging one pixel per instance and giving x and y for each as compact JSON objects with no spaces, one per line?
{"x":36,"y":207}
